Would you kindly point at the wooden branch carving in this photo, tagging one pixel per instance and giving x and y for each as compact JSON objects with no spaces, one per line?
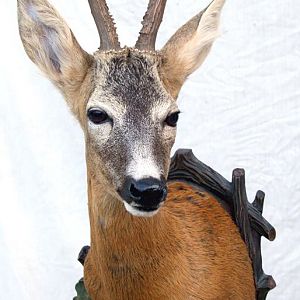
{"x":83,"y":253}
{"x":241,"y":208}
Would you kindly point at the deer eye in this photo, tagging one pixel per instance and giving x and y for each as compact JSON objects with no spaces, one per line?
{"x":97,"y":116}
{"x":172,"y":119}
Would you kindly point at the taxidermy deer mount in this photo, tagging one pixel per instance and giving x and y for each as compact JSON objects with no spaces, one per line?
{"x":149,"y":239}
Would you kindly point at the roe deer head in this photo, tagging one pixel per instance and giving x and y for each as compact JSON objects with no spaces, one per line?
{"x":124,"y":98}
{"x":125,"y":101}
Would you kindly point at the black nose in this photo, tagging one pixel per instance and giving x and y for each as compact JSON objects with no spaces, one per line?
{"x":148,"y":193}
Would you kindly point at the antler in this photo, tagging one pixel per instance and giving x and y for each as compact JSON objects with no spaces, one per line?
{"x":105,"y":25}
{"x":151,"y":23}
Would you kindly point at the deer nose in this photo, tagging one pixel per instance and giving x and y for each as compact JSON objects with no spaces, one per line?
{"x":148,"y":193}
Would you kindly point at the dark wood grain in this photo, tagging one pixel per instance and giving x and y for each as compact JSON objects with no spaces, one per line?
{"x":83,"y":254}
{"x":240,"y":207}
{"x":264,"y":283}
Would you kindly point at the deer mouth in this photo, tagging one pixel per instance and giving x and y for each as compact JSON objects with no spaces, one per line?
{"x":146,"y":209}
{"x":142,"y":211}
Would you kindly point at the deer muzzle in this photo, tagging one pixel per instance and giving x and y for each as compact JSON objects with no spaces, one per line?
{"x":145,"y":196}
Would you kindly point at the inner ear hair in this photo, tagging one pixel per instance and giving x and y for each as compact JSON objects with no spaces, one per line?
{"x":51,"y":45}
{"x":49,"y":42}
{"x":187,"y":49}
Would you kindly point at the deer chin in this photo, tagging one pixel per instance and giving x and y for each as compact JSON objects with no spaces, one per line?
{"x":139,"y":211}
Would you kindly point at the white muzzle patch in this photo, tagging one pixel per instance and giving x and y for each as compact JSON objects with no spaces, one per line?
{"x":143,"y":167}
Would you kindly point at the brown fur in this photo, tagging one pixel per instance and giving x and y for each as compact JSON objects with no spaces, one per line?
{"x":190,"y":250}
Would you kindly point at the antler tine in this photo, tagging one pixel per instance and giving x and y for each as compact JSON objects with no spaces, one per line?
{"x":105,"y":25}
{"x":151,"y":23}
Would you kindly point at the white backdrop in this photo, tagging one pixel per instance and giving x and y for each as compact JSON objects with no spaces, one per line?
{"x":241,"y":109}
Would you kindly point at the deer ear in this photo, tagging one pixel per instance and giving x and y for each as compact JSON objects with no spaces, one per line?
{"x":188,"y":47}
{"x":51,"y":45}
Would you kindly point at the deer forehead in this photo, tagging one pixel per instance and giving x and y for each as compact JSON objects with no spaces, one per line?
{"x":127,"y":83}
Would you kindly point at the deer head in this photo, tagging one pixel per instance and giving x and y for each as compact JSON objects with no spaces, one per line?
{"x":124,"y":98}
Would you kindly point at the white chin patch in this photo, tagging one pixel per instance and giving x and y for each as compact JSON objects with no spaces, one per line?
{"x":137,"y":213}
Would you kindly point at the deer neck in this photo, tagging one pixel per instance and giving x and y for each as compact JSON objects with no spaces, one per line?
{"x":128,"y":252}
{"x":111,"y":224}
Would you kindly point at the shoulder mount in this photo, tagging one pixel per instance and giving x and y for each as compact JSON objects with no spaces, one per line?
{"x":232,"y":196}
